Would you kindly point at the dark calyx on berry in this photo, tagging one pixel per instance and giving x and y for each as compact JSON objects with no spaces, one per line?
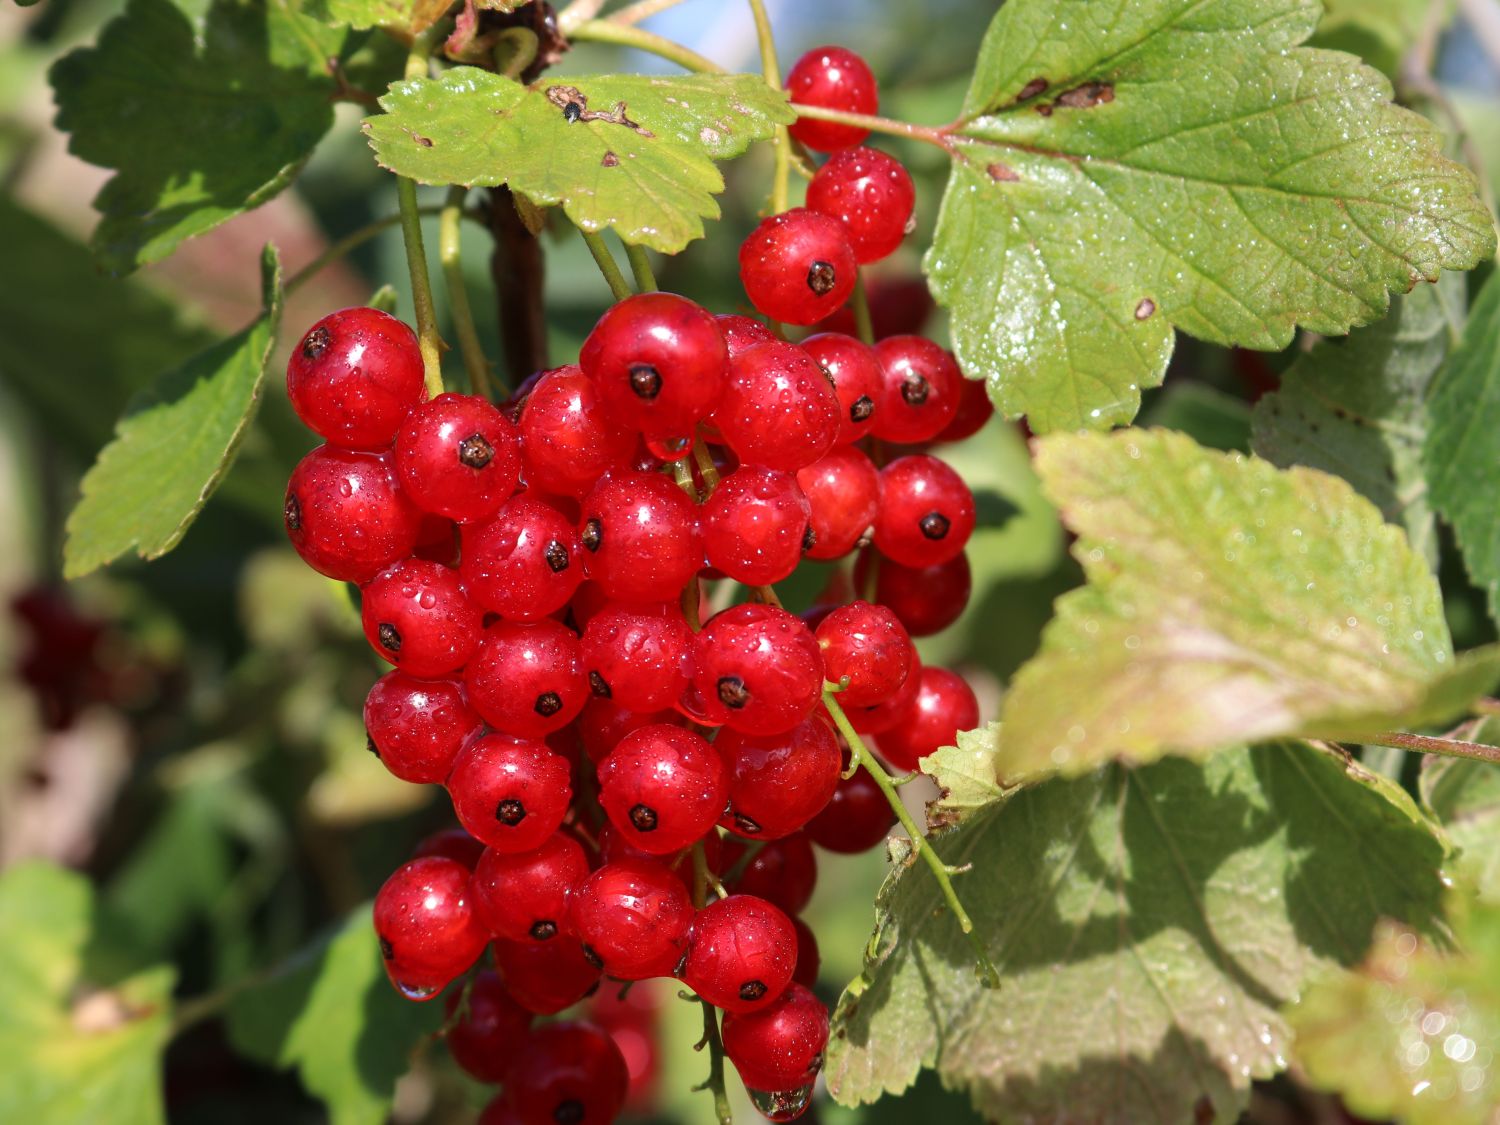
{"x":809,"y":538}
{"x":543,"y":930}
{"x":510,"y":812}
{"x":370,"y":744}
{"x":568,"y":1112}
{"x":935,"y":525}
{"x":644,"y":818}
{"x":548,"y":703}
{"x":390,"y":637}
{"x":915,"y":389}
{"x":386,"y":949}
{"x":752,"y":990}
{"x":316,"y":342}
{"x":293,"y":513}
{"x":645,"y":380}
{"x":475,"y":452}
{"x":861,"y":408}
{"x":557,"y":557}
{"x":733,"y":692}
{"x":822,"y":277}
{"x":592,"y":535}
{"x":744,"y":824}
{"x":591,"y":957}
{"x":599,"y":685}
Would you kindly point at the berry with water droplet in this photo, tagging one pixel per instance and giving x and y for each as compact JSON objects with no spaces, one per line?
{"x":778,"y":782}
{"x":855,"y":374}
{"x":797,"y":267}
{"x":638,"y":654}
{"x":346,"y":515}
{"x":354,"y":376}
{"x":868,"y":645}
{"x":926,"y":512}
{"x":416,"y":616}
{"x":417,"y":727}
{"x":871,"y":194}
{"x":523,"y":896}
{"x":424,"y":918}
{"x":778,"y":408}
{"x":831,"y":78}
{"x":633,"y":917}
{"x":569,"y":437}
{"x":757,"y":669}
{"x":489,"y":1032}
{"x":663,"y":787}
{"x":640,"y":537}
{"x":756,"y":525}
{"x":458,"y":457}
{"x":510,"y":792}
{"x":527,"y":679}
{"x":742,"y":953}
{"x":778,"y":1047}
{"x":843,"y":497}
{"x":603,"y":723}
{"x":525,"y":563}
{"x":920,"y":389}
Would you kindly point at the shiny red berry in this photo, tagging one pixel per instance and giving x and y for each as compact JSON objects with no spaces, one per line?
{"x":523,"y":896}
{"x":354,"y":376}
{"x":416,"y":616}
{"x":742,"y":332}
{"x":944,"y":705}
{"x":491,"y":1029}
{"x":424,"y":918}
{"x":926,"y":512}
{"x":868,"y":644}
{"x":756,"y":669}
{"x":742,"y":953}
{"x":658,"y":361}
{"x":614,"y":846}
{"x":843,"y":497}
{"x":638,"y":654}
{"x":663,"y":787}
{"x":871,"y":194}
{"x":974,"y":410}
{"x":525,"y":563}
{"x":926,"y":599}
{"x":567,"y":1074}
{"x":454,"y":843}
{"x":346,"y":515}
{"x":546,"y":976}
{"x":809,"y":960}
{"x":569,"y":437}
{"x":633,"y":917}
{"x":876,"y":718}
{"x":798,"y":266}
{"x":778,"y":782}
{"x":852,"y":368}
{"x":458,"y":457}
{"x":756,"y":526}
{"x":527,"y":679}
{"x":783,"y":872}
{"x":602,"y":723}
{"x":856,"y":819}
{"x":509,"y":792}
{"x":640,"y":537}
{"x":778,"y":408}
{"x":920,"y":389}
{"x":779,"y":1047}
{"x":417,"y":727}
{"x":831,"y":78}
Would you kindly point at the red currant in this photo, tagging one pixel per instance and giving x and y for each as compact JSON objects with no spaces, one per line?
{"x":778,"y":408}
{"x":354,"y":376}
{"x":613,"y":846}
{"x":638,"y":654}
{"x":458,"y":457}
{"x":527,"y":679}
{"x":928,"y":599}
{"x":875,"y":718}
{"x":453,"y":843}
{"x":567,"y":1074}
{"x":525,"y":563}
{"x":856,"y":819}
{"x":523,"y":896}
{"x":640,"y":537}
{"x":778,"y":782}
{"x":779,"y":1047}
{"x":346,"y":516}
{"x":416,"y":616}
{"x":974,"y":410}
{"x":603,"y":722}
{"x":798,"y":266}
{"x":756,"y":669}
{"x":424,"y":918}
{"x":809,"y":961}
{"x":633,"y":917}
{"x":783,"y":872}
{"x":926,"y":512}
{"x":417,"y":727}
{"x":742,"y":953}
{"x":491,"y":1030}
{"x":944,"y":705}
{"x":569,"y":439}
{"x":831,"y":78}
{"x":663,"y":787}
{"x":742,"y":333}
{"x":546,"y":976}
{"x":843,"y":497}
{"x":868,"y":644}
{"x":851,"y":366}
{"x":920,"y":389}
{"x":509,"y":792}
{"x":756,"y":526}
{"x":437,"y":541}
{"x":871,"y":194}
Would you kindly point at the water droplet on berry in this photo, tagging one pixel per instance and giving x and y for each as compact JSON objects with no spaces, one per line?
{"x":418,"y":992}
{"x":782,"y":1105}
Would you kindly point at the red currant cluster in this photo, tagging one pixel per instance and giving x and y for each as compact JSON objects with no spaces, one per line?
{"x":536,"y":573}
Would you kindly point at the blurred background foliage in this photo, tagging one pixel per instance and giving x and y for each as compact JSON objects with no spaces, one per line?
{"x":187,"y":733}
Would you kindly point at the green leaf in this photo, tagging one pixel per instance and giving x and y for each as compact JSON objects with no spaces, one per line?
{"x":405,"y":17}
{"x":205,"y":109}
{"x":966,"y":775}
{"x":1188,"y":166}
{"x":1227,"y":601}
{"x":1148,"y":926}
{"x":336,"y":1019}
{"x":75,"y":1053}
{"x":173,"y":446}
{"x":1465,"y":796}
{"x":1462,"y":452}
{"x":1357,"y":408}
{"x":645,"y":166}
{"x":1411,"y":1033}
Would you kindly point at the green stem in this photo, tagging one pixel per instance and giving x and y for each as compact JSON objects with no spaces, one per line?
{"x":863,"y":325}
{"x":449,"y":230}
{"x":1425,"y":744}
{"x":618,"y":286}
{"x":350,"y":243}
{"x":715,"y":1082}
{"x":640,"y":10}
{"x":771,"y":71}
{"x":861,"y":756}
{"x":925,"y":133}
{"x":706,"y":467}
{"x":515,"y":50}
{"x":602,"y":31}
{"x":428,"y":339}
{"x":640,"y":266}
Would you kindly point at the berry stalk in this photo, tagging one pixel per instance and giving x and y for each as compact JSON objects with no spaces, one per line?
{"x":772,"y":72}
{"x":618,"y":286}
{"x":714,"y":1083}
{"x":449,"y":231}
{"x":411,"y":234}
{"x":605,"y":31}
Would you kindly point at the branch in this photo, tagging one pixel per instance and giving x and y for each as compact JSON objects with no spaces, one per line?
{"x":602,"y":31}
{"x":1426,"y":744}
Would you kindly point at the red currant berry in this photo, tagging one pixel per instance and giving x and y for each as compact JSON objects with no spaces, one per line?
{"x":778,"y":782}
{"x":613,"y":846}
{"x":567,"y":1074}
{"x":458,"y":457}
{"x":778,"y":408}
{"x":658,"y":361}
{"x":633,"y":917}
{"x":756,"y":669}
{"x":756,"y":526}
{"x":638,"y":654}
{"x":868,"y":644}
{"x":831,"y":78}
{"x":798,"y":266}
{"x":491,"y":1030}
{"x":809,"y":960}
{"x":899,"y":305}
{"x":634,"y":1022}
{"x":416,"y":616}
{"x":568,"y":438}
{"x":527,"y":680}
{"x":944,"y":705}
{"x":974,"y":410}
{"x":437,"y":541}
{"x":783,"y":872}
{"x":742,"y":333}
{"x":663,"y":787}
{"x":920,"y":388}
{"x":926,"y":512}
{"x":354,"y":376}
{"x":927,"y":600}
{"x":523,"y":896}
{"x":417,"y":727}
{"x":424,"y":918}
{"x":640,"y":537}
{"x":452,"y":843}
{"x":603,"y":722}
{"x":346,"y":516}
{"x":509,"y":792}
{"x":779,"y":1047}
{"x":525,"y":563}
{"x":856,"y":819}
{"x":851,"y":366}
{"x":876,"y":718}
{"x":742,"y":953}
{"x":871,"y":194}
{"x":546,"y":976}
{"x":843,"y":498}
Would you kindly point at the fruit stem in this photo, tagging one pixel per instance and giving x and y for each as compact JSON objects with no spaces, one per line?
{"x":1426,"y":744}
{"x":640,"y":10}
{"x":640,"y":267}
{"x":925,"y":133}
{"x":706,"y":468}
{"x":715,"y":1083}
{"x":449,"y":251}
{"x":771,"y":71}
{"x":860,"y":755}
{"x":607,"y":264}
{"x":864,"y":327}
{"x":603,"y":31}
{"x":430,"y":342}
